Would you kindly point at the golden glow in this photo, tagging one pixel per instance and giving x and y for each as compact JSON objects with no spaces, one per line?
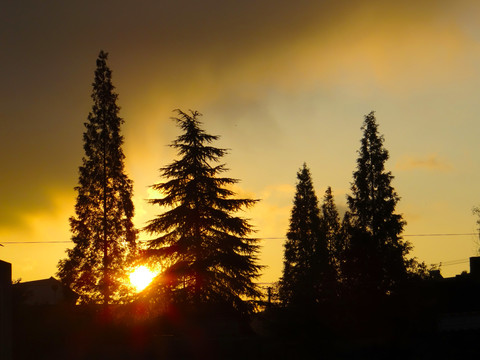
{"x":141,"y":277}
{"x":332,"y":63}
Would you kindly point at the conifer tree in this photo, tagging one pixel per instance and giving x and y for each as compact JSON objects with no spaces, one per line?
{"x":305,"y":265}
{"x":332,"y":229}
{"x":376,"y":251}
{"x":102,"y":230}
{"x":204,"y":248}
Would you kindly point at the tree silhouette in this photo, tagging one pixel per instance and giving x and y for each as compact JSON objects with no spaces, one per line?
{"x":306,"y":265}
{"x":102,"y":230}
{"x":332,"y":229}
{"x":206,"y":255}
{"x":376,"y":252}
{"x":476,"y":211}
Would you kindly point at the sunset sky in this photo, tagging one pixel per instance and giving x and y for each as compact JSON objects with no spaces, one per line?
{"x":281,"y":82}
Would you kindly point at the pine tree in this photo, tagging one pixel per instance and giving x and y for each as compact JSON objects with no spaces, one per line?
{"x":376,"y":251}
{"x":305,"y":265}
{"x":332,"y":230}
{"x":102,"y":230}
{"x":203,"y":247}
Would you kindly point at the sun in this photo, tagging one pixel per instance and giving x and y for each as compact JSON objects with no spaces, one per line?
{"x":141,"y":277}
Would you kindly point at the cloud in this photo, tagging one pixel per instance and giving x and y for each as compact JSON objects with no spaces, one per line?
{"x":431,"y":162}
{"x":271,"y":217}
{"x":47,"y":230}
{"x":196,"y":54}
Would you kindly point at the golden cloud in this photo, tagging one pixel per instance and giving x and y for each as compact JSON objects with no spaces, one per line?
{"x":431,"y":162}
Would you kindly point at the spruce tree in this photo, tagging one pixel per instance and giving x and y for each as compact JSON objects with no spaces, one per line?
{"x":102,"y":230}
{"x":376,"y":251}
{"x":205,"y":251}
{"x":305,"y":265}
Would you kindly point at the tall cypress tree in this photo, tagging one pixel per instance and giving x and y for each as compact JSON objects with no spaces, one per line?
{"x":376,"y":253}
{"x":204,"y":248}
{"x":305,"y":265}
{"x":102,"y":230}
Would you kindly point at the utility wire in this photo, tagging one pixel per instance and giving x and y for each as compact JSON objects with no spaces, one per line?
{"x":441,"y":263}
{"x":454,"y":262}
{"x":260,"y":238}
{"x":36,"y":242}
{"x":410,"y":235}
{"x":459,"y":234}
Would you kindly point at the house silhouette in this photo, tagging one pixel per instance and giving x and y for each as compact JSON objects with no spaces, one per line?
{"x":44,"y":292}
{"x":459,"y":300}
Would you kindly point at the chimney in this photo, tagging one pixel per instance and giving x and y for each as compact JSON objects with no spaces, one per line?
{"x":475,"y":267}
{"x":5,"y":310}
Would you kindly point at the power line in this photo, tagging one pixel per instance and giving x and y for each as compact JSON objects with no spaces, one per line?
{"x":409,"y":235}
{"x":35,"y":242}
{"x":458,"y":234}
{"x":261,"y":238}
{"x":454,"y":262}
{"x":45,"y":242}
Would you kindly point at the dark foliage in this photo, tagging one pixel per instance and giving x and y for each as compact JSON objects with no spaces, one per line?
{"x":102,"y":228}
{"x":307,"y":273}
{"x":332,"y":229}
{"x":402,"y":327}
{"x":375,"y":256}
{"x":81,"y":332}
{"x":202,"y":246}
